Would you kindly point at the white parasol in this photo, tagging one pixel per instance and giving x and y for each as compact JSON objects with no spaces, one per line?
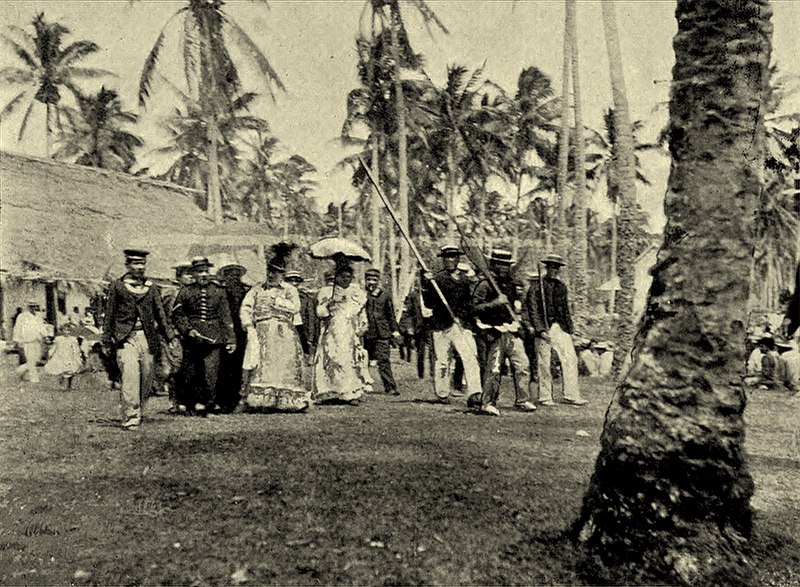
{"x":336,"y":246}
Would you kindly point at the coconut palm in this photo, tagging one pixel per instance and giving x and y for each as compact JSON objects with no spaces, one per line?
{"x":210,"y":75}
{"x":96,"y":136}
{"x":669,"y":500}
{"x":389,"y":15}
{"x":186,"y":149}
{"x":47,"y":67}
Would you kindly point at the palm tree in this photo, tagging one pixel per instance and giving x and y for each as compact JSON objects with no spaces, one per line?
{"x":389,"y":14}
{"x":559,"y":222}
{"x":46,"y":67}
{"x":96,"y":136}
{"x":187,"y":146}
{"x":211,"y":76}
{"x":624,"y":166}
{"x":669,"y":500}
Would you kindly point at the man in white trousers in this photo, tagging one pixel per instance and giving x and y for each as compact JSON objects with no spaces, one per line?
{"x":548,"y":311}
{"x":448,"y":334}
{"x":29,"y":333}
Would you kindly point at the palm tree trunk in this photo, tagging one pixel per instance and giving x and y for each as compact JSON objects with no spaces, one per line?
{"x":377,"y":205}
{"x":669,"y":500}
{"x":559,"y":225}
{"x":517,"y":218}
{"x":613,"y":261}
{"x":482,"y":213}
{"x":580,"y":245}
{"x":402,"y":149}
{"x":47,"y":136}
{"x":624,"y":169}
{"x":214,"y":195}
{"x":451,"y":194}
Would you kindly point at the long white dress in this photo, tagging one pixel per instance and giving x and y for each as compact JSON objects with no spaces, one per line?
{"x":341,"y":366}
{"x":271,"y":314}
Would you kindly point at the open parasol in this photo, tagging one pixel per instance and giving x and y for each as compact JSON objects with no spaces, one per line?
{"x":335,"y":246}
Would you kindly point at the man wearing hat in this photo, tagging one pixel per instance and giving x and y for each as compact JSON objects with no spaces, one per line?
{"x":309,"y":331}
{"x":172,"y":355}
{"x":449,"y":334}
{"x":501,"y":332}
{"x":228,"y":395}
{"x":29,"y":332}
{"x":203,"y":317}
{"x":134,"y":322}
{"x":381,"y":328}
{"x":548,"y":310}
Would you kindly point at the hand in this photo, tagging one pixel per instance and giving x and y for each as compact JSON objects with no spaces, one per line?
{"x":427,"y":275}
{"x":544,"y":335}
{"x":230,"y":348}
{"x":501,"y":300}
{"x":396,"y":336}
{"x":194,"y":334}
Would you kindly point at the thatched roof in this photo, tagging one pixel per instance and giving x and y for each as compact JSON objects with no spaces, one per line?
{"x":61,"y":221}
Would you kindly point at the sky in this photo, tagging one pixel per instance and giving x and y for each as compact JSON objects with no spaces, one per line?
{"x":311,"y":46}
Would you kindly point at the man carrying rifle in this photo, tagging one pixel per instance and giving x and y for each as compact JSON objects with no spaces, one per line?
{"x":447,"y":324}
{"x":501,"y":333}
{"x":202,"y":315}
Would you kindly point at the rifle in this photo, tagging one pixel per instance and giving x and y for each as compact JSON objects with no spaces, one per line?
{"x":411,"y":245}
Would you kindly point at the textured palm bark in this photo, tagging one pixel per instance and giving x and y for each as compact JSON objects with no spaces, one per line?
{"x":670,"y":496}
{"x":558,"y":226}
{"x":579,"y":245}
{"x":623,"y":176}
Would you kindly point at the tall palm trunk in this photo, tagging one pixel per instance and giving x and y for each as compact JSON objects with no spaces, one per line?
{"x":377,"y":205}
{"x":612,"y":299}
{"x":517,"y":219}
{"x":451,"y":194}
{"x":580,"y":245}
{"x":558,"y":224}
{"x":482,"y":212}
{"x":48,"y":137}
{"x":669,"y":500}
{"x":623,"y":164}
{"x":402,"y":149}
{"x":213,"y":190}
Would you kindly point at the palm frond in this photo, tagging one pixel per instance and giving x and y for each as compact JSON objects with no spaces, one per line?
{"x":90,"y":72}
{"x":15,"y":75}
{"x":190,"y":48}
{"x":151,"y":63}
{"x":24,"y":124}
{"x":256,"y":55}
{"x":9,"y":108}
{"x":21,"y":52}
{"x":76,"y":51}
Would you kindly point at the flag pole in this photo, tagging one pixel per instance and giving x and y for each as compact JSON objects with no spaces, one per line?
{"x":404,"y":233}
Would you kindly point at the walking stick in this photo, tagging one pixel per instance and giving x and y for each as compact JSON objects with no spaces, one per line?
{"x":412,"y":246}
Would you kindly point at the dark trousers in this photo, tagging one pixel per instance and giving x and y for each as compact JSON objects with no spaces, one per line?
{"x":405,"y":346}
{"x":378,"y":350}
{"x":229,"y":384}
{"x":423,"y":341}
{"x":200,"y":370}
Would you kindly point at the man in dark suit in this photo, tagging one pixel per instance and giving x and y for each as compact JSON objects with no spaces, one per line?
{"x":134,"y":320}
{"x":203,"y":317}
{"x":230,"y":371}
{"x":547,"y":310}
{"x":382,"y":328}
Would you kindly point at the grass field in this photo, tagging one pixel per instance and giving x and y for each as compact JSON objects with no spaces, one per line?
{"x":395,"y":491}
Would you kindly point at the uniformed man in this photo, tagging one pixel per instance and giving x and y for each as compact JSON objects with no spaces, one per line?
{"x":382,"y":328}
{"x":502,"y":334}
{"x":230,"y":375}
{"x":203,"y":317}
{"x":548,"y":310}
{"x":449,"y":334}
{"x":134,"y":320}
{"x":173,"y":355}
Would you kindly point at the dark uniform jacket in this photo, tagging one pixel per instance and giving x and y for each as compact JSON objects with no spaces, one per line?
{"x":308,"y":312}
{"x":497,"y":315}
{"x":236,"y":293}
{"x":412,"y":320}
{"x":555,"y":304}
{"x":204,"y":308}
{"x":458,"y":293}
{"x":381,"y":320}
{"x":134,"y":304}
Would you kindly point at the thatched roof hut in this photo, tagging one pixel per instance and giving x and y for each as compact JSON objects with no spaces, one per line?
{"x":72,"y":222}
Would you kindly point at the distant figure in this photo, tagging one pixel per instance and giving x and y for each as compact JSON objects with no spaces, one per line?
{"x":789,"y":370}
{"x":134,"y":321}
{"x":416,"y":320}
{"x":382,"y":328}
{"x":548,"y":308}
{"x":29,"y":332}
{"x":341,"y":370}
{"x":270,"y":314}
{"x":791,"y":321}
{"x":65,"y":358}
{"x":770,"y":363}
{"x":605,"y":357}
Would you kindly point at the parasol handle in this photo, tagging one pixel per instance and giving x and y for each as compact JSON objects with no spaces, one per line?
{"x":412,"y":246}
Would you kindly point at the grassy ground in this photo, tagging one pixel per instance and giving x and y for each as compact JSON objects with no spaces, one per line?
{"x":395,"y":491}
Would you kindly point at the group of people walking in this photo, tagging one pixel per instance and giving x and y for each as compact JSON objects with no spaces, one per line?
{"x":275,"y":346}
